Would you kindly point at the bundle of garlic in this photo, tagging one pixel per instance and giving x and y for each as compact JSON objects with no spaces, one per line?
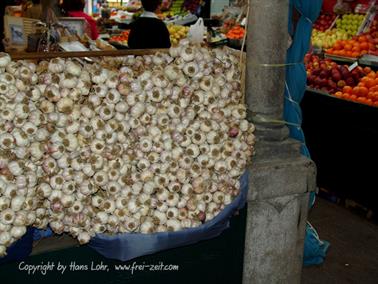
{"x":133,"y":144}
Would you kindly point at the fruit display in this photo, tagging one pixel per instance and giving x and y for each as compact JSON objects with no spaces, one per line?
{"x":324,"y":22}
{"x":177,"y":33}
{"x":350,"y":23}
{"x":236,"y":32}
{"x":176,"y":6}
{"x":373,"y":29}
{"x":328,"y":38}
{"x":123,"y":38}
{"x":134,"y":144}
{"x":228,"y":24}
{"x":355,"y":47}
{"x":328,"y":76}
{"x":366,"y":91}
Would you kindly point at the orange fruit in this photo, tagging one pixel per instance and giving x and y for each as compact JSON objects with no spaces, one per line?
{"x":362,"y":38}
{"x":356,"y":91}
{"x":346,"y":96}
{"x":338,"y":94}
{"x":349,"y":53}
{"x":364,"y":46}
{"x":348,"y":46}
{"x":367,"y":70}
{"x":369,"y":82}
{"x":371,"y":75}
{"x":363,"y":91}
{"x":347,"y":89}
{"x":356,"y":49}
{"x":337,"y":46}
{"x":355,"y":54}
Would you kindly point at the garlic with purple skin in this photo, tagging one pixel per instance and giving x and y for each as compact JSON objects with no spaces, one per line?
{"x":140,"y":147}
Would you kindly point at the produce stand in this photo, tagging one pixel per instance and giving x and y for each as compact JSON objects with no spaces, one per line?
{"x":329,"y":114}
{"x":281,"y":176}
{"x":214,"y":228}
{"x":342,"y":137}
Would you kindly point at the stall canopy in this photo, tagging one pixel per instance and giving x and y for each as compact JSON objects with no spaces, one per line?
{"x":314,"y":249}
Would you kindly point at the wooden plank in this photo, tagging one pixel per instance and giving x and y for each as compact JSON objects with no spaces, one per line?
{"x":46,"y":55}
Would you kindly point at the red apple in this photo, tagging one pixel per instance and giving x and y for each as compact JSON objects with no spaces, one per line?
{"x":336,"y":75}
{"x":324,"y":74}
{"x":350,"y":82}
{"x":332,"y":84}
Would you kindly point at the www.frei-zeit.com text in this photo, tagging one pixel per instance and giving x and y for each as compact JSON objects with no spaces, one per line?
{"x":50,"y":266}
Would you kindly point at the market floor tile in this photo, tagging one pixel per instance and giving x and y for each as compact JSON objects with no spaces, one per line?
{"x":353,"y":253}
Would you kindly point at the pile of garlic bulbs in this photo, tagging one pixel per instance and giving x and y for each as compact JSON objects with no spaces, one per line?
{"x":129,"y":144}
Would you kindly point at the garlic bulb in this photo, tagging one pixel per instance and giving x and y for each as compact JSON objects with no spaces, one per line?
{"x":158,"y":146}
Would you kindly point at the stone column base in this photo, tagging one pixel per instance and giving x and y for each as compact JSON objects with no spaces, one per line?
{"x":277,"y":214}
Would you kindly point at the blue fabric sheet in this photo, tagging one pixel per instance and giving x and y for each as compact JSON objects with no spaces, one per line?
{"x":41,"y":234}
{"x":128,"y":246}
{"x":20,"y":249}
{"x":314,"y":249}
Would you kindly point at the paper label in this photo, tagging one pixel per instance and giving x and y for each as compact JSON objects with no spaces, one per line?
{"x":354,"y":65}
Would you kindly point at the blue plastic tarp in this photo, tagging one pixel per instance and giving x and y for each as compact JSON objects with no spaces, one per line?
{"x":314,"y":249}
{"x":20,"y":249}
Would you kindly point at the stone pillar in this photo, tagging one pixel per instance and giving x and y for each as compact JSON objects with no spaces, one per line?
{"x":267,"y":44}
{"x":280,"y":178}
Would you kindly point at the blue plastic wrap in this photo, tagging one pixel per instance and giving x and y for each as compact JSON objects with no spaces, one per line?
{"x":20,"y":249}
{"x":128,"y":246}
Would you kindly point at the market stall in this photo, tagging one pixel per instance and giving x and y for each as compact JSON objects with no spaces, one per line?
{"x":223,"y":26}
{"x":341,"y":99}
{"x":164,"y":91}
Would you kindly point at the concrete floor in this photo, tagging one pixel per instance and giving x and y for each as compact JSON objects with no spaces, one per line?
{"x":353,"y":253}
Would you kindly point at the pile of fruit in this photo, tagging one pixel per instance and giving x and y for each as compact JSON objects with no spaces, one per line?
{"x":228,"y":24}
{"x":358,"y":85}
{"x":328,"y":76}
{"x":355,"y":47}
{"x":122,"y":38}
{"x":324,"y":22}
{"x":350,"y":23}
{"x":328,"y":38}
{"x":177,"y":33}
{"x":237,"y":32}
{"x":365,"y":92}
{"x":373,"y":30}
